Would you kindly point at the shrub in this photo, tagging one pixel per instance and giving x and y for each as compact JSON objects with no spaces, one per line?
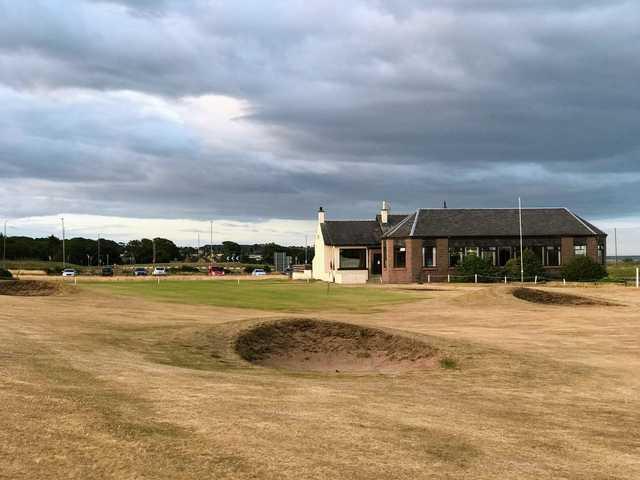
{"x":581,"y":269}
{"x":474,"y":265}
{"x":54,"y":271}
{"x":531,"y":263}
{"x":5,"y":274}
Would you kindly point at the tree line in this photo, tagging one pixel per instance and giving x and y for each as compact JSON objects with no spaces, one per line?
{"x":85,"y":251}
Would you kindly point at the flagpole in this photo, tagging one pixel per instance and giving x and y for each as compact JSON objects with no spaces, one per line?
{"x":521,"y":250}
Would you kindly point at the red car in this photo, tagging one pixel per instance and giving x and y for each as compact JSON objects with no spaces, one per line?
{"x":215,"y":271}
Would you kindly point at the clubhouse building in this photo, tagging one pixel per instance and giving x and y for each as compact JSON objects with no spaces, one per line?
{"x":429,"y":243}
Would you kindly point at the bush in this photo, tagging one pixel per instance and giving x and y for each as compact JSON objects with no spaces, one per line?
{"x":473,"y":265}
{"x":5,"y":274}
{"x":531,"y":263}
{"x":54,"y":271}
{"x":581,"y":269}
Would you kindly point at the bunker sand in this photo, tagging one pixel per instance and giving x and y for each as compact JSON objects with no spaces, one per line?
{"x":96,"y":386}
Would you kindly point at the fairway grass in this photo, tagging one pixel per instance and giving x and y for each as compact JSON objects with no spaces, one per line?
{"x":276,"y":295}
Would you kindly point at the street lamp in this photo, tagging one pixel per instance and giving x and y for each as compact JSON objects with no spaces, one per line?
{"x":63,"y":252}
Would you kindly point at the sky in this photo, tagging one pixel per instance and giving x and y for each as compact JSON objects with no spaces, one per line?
{"x":153,"y":117}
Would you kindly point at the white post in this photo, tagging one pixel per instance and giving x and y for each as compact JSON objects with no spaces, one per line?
{"x":564,"y":281}
{"x":505,"y":279}
{"x":637,"y":277}
{"x":158,"y":281}
{"x":429,"y":278}
{"x":535,"y":282}
{"x":75,"y":280}
{"x":476,"y":278}
{"x":448,"y":278}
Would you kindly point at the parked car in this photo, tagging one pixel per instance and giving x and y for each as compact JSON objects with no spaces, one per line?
{"x":216,"y":271}
{"x":258,"y":272}
{"x":159,"y":271}
{"x":140,"y":272}
{"x":107,"y":271}
{"x":69,"y":272}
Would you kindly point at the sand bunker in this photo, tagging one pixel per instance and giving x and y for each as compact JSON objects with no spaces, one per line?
{"x":29,"y":288}
{"x":555,"y":298}
{"x":313,"y":345}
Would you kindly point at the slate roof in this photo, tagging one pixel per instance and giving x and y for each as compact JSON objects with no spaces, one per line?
{"x":492,"y":222}
{"x":351,"y":232}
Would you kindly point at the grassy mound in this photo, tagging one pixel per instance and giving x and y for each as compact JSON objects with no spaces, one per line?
{"x":553,"y":298}
{"x":29,"y":288}
{"x":313,"y":345}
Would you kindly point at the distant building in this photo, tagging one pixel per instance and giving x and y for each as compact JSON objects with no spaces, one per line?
{"x":406,"y":248}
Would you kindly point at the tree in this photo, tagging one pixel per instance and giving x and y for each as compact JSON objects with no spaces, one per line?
{"x":166,"y":250}
{"x":473,"y":265}
{"x":581,"y":269}
{"x":531,"y":263}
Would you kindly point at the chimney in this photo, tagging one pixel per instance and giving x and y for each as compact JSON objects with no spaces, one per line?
{"x":384,"y":213}
{"x":320,"y":215}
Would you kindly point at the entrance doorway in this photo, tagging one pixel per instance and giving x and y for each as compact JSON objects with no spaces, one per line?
{"x":376,"y":264}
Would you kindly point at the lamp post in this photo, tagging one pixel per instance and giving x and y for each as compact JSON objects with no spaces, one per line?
{"x":63,"y":252}
{"x":521,"y":251}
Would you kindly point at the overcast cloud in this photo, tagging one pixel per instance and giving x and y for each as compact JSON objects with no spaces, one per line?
{"x":261,"y":111}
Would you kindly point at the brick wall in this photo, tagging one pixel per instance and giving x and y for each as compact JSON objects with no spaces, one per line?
{"x":566,"y":249}
{"x":592,"y":248}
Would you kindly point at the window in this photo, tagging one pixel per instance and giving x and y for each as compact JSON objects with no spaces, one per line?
{"x":353,"y":259}
{"x":551,"y":256}
{"x":429,"y":256}
{"x":471,"y":251}
{"x":601,"y":254}
{"x":399,"y":254}
{"x":456,"y":255}
{"x":580,"y":250}
{"x":489,"y":253}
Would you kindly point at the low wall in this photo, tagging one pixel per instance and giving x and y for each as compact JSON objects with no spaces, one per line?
{"x":352,"y":276}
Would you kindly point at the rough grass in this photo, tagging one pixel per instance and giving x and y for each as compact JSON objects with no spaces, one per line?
{"x":277,"y":295}
{"x":98,"y":386}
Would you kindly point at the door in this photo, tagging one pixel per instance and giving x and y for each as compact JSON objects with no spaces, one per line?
{"x":376,"y":267}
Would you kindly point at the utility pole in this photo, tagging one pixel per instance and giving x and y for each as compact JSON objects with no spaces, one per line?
{"x":521,"y":243}
{"x":305,"y":250}
{"x":4,"y":245}
{"x":615,"y":236}
{"x":99,"y":258}
{"x":64,"y":263}
{"x":154,"y":250}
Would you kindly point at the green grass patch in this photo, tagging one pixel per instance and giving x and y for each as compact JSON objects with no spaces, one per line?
{"x":448,"y":363}
{"x":279,"y":295}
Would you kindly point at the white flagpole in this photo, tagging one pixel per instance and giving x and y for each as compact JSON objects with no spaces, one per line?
{"x":521,"y":250}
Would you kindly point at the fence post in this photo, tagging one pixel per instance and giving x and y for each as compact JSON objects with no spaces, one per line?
{"x":429,"y":278}
{"x":448,"y":278}
{"x":505,"y":279}
{"x":637,"y":277}
{"x":476,"y":278}
{"x":564,"y":281}
{"x":535,"y":282}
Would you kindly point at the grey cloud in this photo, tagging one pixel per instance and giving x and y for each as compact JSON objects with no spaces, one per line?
{"x":400,"y":100}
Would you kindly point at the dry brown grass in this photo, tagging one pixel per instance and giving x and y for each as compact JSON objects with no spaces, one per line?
{"x":96,"y":386}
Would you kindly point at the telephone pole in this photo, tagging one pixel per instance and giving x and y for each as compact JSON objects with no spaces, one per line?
{"x":4,"y":245}
{"x":211,"y":240}
{"x":615,"y":236}
{"x":99,"y":258}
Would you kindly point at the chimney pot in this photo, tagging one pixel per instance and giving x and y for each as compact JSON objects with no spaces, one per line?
{"x":321,"y":215}
{"x":384,"y":213}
